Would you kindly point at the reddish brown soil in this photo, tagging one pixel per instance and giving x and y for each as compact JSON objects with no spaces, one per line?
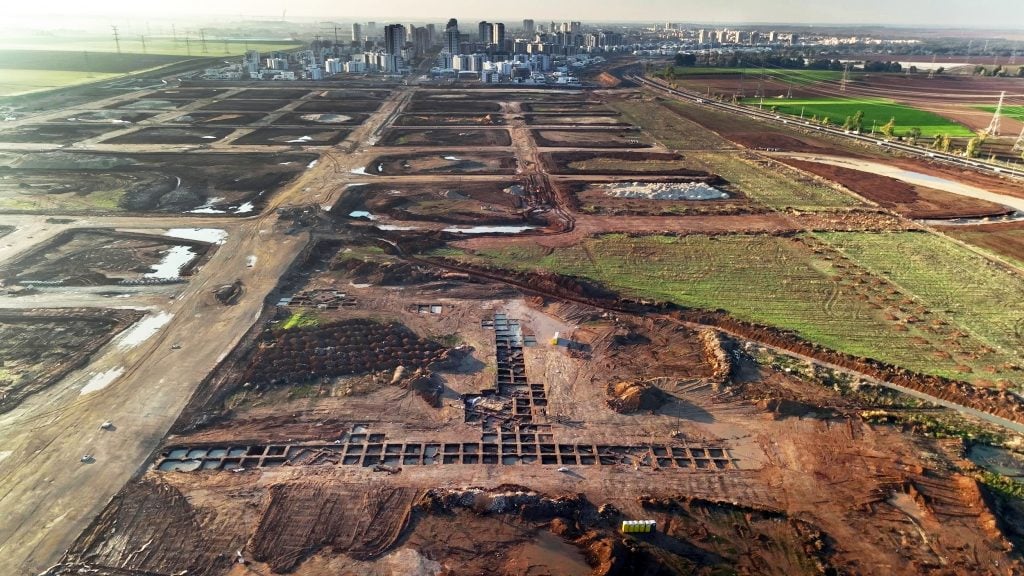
{"x":972,"y":177}
{"x":1006,"y":239}
{"x":907,"y":199}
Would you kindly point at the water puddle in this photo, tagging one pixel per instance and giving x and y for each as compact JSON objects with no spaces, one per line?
{"x":387,"y":227}
{"x":556,"y":555}
{"x":299,"y":140}
{"x":211,"y":235}
{"x":102,"y":380}
{"x":360,"y":171}
{"x":361,"y":214}
{"x":312,"y":164}
{"x":244,"y":208}
{"x":488,"y":229}
{"x":176,"y":258}
{"x":143,"y":330}
{"x":452,"y":158}
{"x":208,"y":207}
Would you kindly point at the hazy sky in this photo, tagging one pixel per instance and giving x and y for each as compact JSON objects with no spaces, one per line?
{"x":1001,"y":14}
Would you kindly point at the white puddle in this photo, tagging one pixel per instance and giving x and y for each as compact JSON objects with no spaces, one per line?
{"x":209,"y":137}
{"x":452,"y":158}
{"x":284,"y":163}
{"x":394,"y":227}
{"x":664,"y":191}
{"x":101,"y":380}
{"x":4,"y":454}
{"x":489,"y":229}
{"x":299,"y":140}
{"x":361,"y":214}
{"x":211,"y":235}
{"x":326,"y":118}
{"x":250,"y":261}
{"x":176,"y":258}
{"x":244,"y":208}
{"x":311,"y":164}
{"x":360,"y":171}
{"x":208,"y":207}
{"x":143,"y":330}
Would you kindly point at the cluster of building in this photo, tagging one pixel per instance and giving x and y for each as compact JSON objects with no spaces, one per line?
{"x":493,"y":52}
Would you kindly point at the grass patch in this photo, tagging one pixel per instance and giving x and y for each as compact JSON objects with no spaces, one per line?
{"x":797,"y":77}
{"x":795,"y":284}
{"x":670,"y":129}
{"x":1015,"y":112}
{"x":99,"y":201}
{"x":877,"y":110}
{"x":15,"y":81}
{"x":301,"y":319}
{"x":778,"y":187}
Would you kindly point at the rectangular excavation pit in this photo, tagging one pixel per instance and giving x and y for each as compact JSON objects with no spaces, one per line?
{"x":509,"y":449}
{"x":470,"y":448}
{"x":721,"y":464}
{"x":349,"y":460}
{"x":393,"y":449}
{"x":566,"y":449}
{"x":354,"y":449}
{"x":716,"y":452}
{"x":470,"y":459}
{"x":392,"y":460}
{"x":410,"y":459}
{"x":659,"y":450}
{"x":697,"y":453}
{"x":510,"y":459}
{"x":529,"y":459}
{"x":608,"y":460}
{"x":271,"y":451}
{"x":585,"y":449}
{"x":272,"y":462}
{"x":452,"y":448}
{"x":665,"y":462}
{"x":548,"y":459}
{"x":567,"y":459}
{"x":491,"y":437}
{"x":450,"y":459}
{"x":376,"y":438}
{"x":211,"y":464}
{"x":415,"y":449}
{"x":528,"y":448}
{"x":374,"y":448}
{"x":371,"y":460}
{"x":683,"y":462}
{"x":545,"y":438}
{"x":357,"y":438}
{"x":490,"y":448}
{"x":702,"y":462}
{"x":588,"y":460}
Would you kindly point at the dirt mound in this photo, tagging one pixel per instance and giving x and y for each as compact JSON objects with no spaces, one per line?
{"x":626,"y":397}
{"x":384,"y":273}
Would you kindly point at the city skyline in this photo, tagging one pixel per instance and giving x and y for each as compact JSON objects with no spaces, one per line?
{"x":918,"y":13}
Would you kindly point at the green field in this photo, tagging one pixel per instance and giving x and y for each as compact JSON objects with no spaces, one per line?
{"x":795,"y":77}
{"x":1015,"y":112}
{"x":14,"y":82}
{"x":944,"y":311}
{"x":877,"y":110}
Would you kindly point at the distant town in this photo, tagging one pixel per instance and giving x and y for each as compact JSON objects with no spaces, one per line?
{"x":528,"y":53}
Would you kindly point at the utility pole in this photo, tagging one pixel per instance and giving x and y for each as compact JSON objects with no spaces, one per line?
{"x":117,"y":39}
{"x":188,"y":48}
{"x":202,"y":39}
{"x":969,"y":44}
{"x":1018,"y":146}
{"x":931,"y":71}
{"x":174,"y":35}
{"x":846,"y":77}
{"x":993,"y":126}
{"x":143,"y":40}
{"x":789,"y":92}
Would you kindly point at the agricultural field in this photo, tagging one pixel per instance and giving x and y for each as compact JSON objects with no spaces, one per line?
{"x":1015,"y":112}
{"x":1003,"y":240}
{"x":772,"y":184}
{"x":866,"y":304}
{"x":670,"y":129}
{"x":792,"y":76}
{"x":876,"y":111}
{"x":14,"y":81}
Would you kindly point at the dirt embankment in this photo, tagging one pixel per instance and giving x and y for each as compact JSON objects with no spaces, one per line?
{"x":716,"y":356}
{"x":907,"y":199}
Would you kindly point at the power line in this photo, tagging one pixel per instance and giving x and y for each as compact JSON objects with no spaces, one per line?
{"x":993,"y":126}
{"x":1018,"y":146}
{"x":117,"y":39}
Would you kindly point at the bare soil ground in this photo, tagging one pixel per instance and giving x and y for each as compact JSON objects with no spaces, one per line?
{"x":311,"y":136}
{"x":441,"y":163}
{"x":321,"y":119}
{"x":338,"y":106}
{"x":63,"y":134}
{"x":452,"y":137}
{"x":1006,"y":239}
{"x":618,"y":163}
{"x":218,"y":118}
{"x":39,"y":347}
{"x":598,"y":198}
{"x":497,"y":203}
{"x":907,"y":199}
{"x":229,"y":105}
{"x":171,"y":136}
{"x":448,"y":120}
{"x":590,"y":139}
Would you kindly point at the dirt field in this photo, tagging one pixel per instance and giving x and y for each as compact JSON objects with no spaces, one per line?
{"x":618,"y":163}
{"x":171,"y":136}
{"x":321,"y":119}
{"x":1003,"y":239}
{"x":570,"y":119}
{"x":63,"y":134}
{"x":491,"y":203}
{"x":439,"y":163}
{"x":230,"y":105}
{"x":40,"y":347}
{"x":907,"y":199}
{"x":459,"y":107}
{"x":330,"y":106}
{"x":655,"y":198}
{"x":590,"y":139}
{"x":93,"y":257}
{"x":454,"y":138}
{"x":295,"y":136}
{"x":218,"y":118}
{"x":448,"y":120}
{"x":79,"y":182}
